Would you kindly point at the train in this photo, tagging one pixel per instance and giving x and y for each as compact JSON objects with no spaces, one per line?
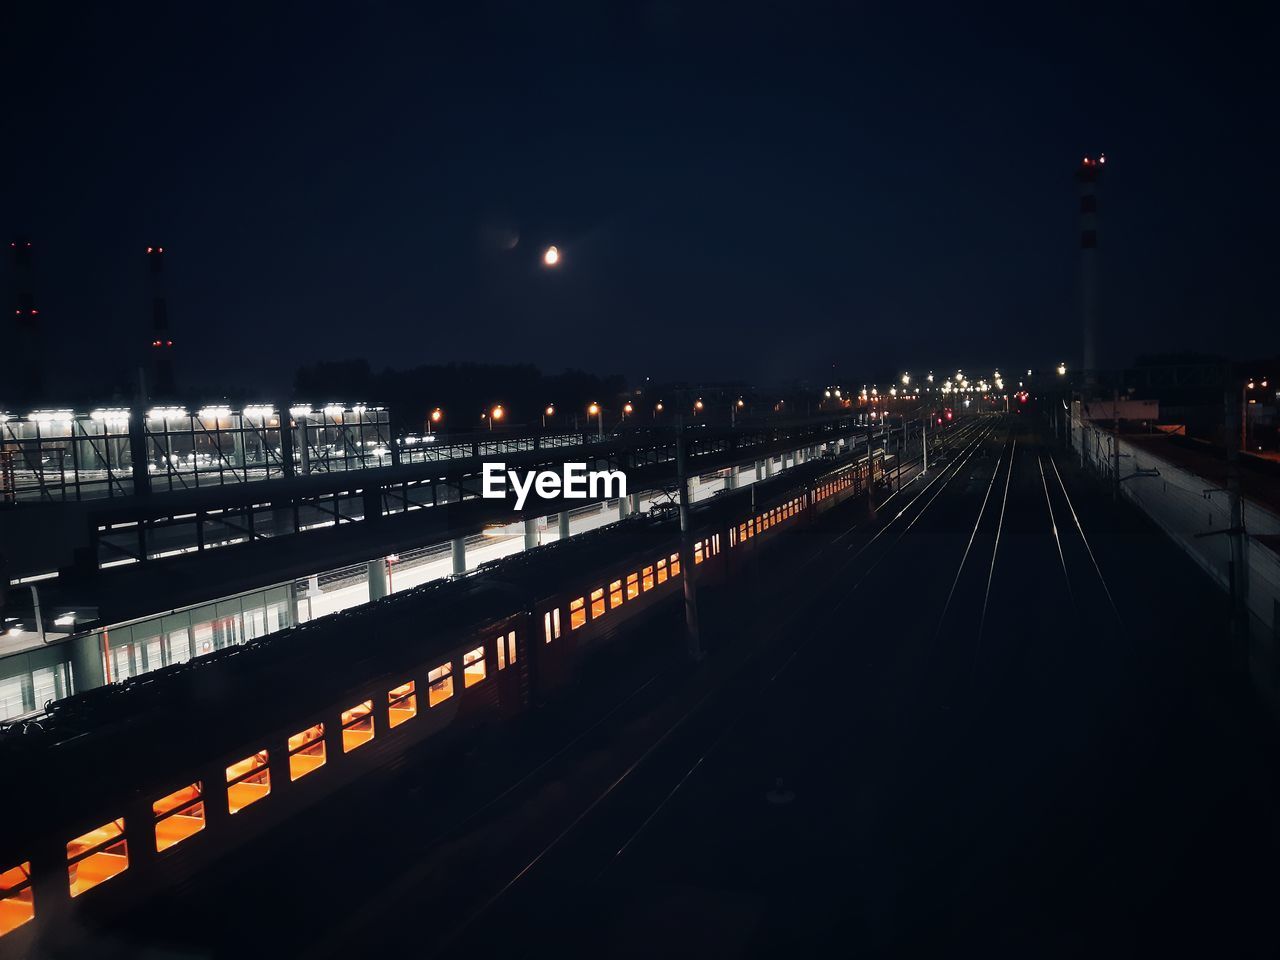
{"x":129,"y":788}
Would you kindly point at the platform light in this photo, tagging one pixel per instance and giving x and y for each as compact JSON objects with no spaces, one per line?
{"x":258,"y":411}
{"x":550,"y":411}
{"x":593,"y":409}
{"x":213,"y":413}
{"x":167,"y":413}
{"x":627,"y":408}
{"x":697,"y":405}
{"x":66,"y":620}
{"x":497,"y":413}
{"x":334,"y":410}
{"x":742,"y":403}
{"x":300,"y":411}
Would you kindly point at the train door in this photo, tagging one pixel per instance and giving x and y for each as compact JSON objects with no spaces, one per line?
{"x":513,"y":672}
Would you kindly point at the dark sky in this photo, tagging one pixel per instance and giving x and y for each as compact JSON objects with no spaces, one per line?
{"x":740,"y":190}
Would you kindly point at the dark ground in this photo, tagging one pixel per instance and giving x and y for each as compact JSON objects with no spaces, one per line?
{"x":1078,"y":780}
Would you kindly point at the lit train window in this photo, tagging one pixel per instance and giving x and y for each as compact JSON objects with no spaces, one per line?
{"x":615,"y":594}
{"x":597,"y":602}
{"x":440,"y":682}
{"x":179,"y":815}
{"x":16,"y":903}
{"x":357,"y":726}
{"x":675,"y":564}
{"x":715,"y":543}
{"x":662,"y":571}
{"x":402,"y":702}
{"x":577,"y":613}
{"x":646,"y":578}
{"x":633,"y":585}
{"x":506,"y":650}
{"x":473,"y":666}
{"x":96,"y":857}
{"x":555,"y":622}
{"x":697,"y":553}
{"x":248,"y":781}
{"x":306,"y":751}
{"x":733,"y":537}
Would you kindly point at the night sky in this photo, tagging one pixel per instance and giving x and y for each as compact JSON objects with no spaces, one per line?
{"x":739,"y":191}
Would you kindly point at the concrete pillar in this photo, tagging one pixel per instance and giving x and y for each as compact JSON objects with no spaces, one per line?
{"x":530,"y":532}
{"x":564,"y":525}
{"x":87,"y":670}
{"x":624,"y":508}
{"x":768,"y":467}
{"x":731,"y":481}
{"x":635,"y":503}
{"x":459,"y":550}
{"x":377,"y":578}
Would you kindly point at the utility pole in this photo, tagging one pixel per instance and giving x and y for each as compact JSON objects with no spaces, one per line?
{"x":924,"y":443}
{"x":1115,"y":444}
{"x":1238,"y":570}
{"x":871,"y":477}
{"x":686,"y":547}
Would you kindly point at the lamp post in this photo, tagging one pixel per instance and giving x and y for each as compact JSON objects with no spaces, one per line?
{"x":697,"y":408}
{"x":550,"y":411}
{"x":594,"y":411}
{"x":733,"y":411}
{"x":434,"y":419}
{"x":657,"y":409}
{"x":497,"y":413}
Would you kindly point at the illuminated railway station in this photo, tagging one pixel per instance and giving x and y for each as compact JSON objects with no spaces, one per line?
{"x":216,"y":478}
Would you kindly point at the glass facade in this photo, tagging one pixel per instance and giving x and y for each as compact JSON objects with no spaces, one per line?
{"x":55,"y":455}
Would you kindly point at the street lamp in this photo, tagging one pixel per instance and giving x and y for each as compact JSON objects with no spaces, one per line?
{"x":1062,"y":369}
{"x":434,"y":420}
{"x":906,"y":379}
{"x":497,"y":413}
{"x":733,"y":411}
{"x":551,"y":257}
{"x":550,"y":411}
{"x":657,"y":409}
{"x":697,"y":407}
{"x":626,"y":409}
{"x":593,"y":410}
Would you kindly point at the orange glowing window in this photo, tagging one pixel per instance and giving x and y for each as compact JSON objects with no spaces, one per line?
{"x":615,"y":594}
{"x":179,"y":815}
{"x":633,"y":586}
{"x":248,"y":781}
{"x":440,"y":684}
{"x":402,"y":704}
{"x":16,"y":903}
{"x":577,"y":613}
{"x":506,"y":650}
{"x":306,"y":751}
{"x":646,"y":578}
{"x":597,"y":602}
{"x":697,"y":553}
{"x":357,"y":726}
{"x":473,"y":666}
{"x":662,"y":571}
{"x":551,"y":624}
{"x":675,"y":564}
{"x":97,"y":856}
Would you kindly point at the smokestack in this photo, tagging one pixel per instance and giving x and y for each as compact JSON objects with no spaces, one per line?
{"x":1087,"y":178}
{"x":160,"y":345}
{"x":28,"y":336}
